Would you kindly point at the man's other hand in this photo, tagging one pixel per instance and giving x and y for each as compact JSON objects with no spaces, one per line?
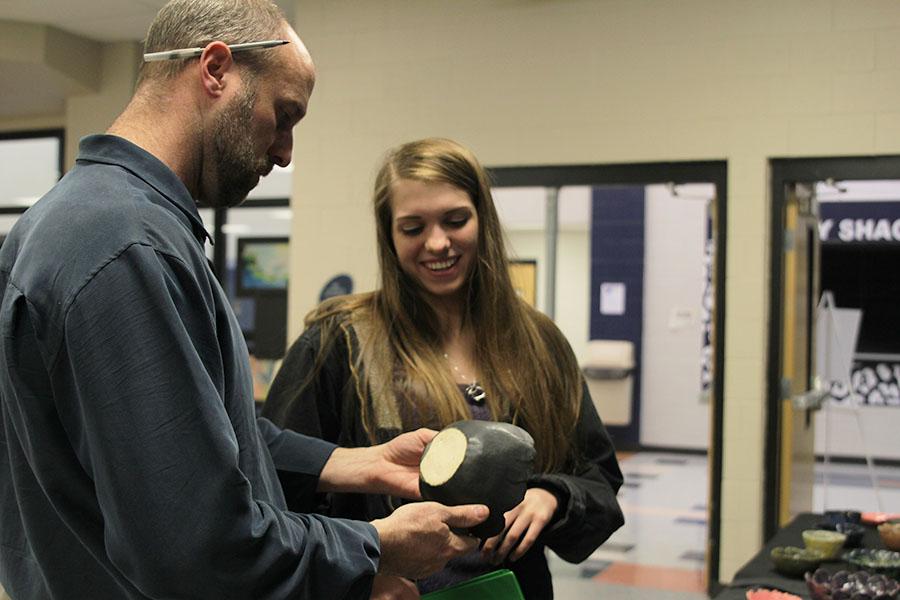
{"x":419,"y":538}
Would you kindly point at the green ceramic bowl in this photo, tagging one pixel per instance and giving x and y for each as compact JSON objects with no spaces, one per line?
{"x":794,"y":562}
{"x":875,"y":561}
{"x":829,"y":543}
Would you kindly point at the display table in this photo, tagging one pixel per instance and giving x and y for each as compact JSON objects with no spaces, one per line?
{"x":760,"y":572}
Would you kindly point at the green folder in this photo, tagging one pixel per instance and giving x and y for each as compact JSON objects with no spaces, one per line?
{"x":496,"y":585}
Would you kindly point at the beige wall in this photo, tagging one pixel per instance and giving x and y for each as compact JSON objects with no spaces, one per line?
{"x":607,"y":81}
{"x":94,"y":112}
{"x":32,"y":123}
{"x":89,"y":111}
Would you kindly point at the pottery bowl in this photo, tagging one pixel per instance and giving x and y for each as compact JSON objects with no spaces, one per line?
{"x":836,"y":517}
{"x":794,"y":562}
{"x":829,"y":543}
{"x":843,"y":584}
{"x":853,"y":532}
{"x":890,"y":534}
{"x":885,"y":562}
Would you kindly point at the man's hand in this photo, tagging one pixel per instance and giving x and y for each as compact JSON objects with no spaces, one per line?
{"x":417,"y":540}
{"x":388,"y":587}
{"x":523,"y":525}
{"x":391,"y":468}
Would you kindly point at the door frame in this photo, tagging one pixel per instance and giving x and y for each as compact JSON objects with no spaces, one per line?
{"x":712,"y":171}
{"x":785,"y":171}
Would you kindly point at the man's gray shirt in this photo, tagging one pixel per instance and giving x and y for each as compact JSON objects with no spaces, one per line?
{"x":132,"y":464}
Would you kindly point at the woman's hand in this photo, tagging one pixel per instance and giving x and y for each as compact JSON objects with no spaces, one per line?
{"x":523,"y":525}
{"x":388,"y":587}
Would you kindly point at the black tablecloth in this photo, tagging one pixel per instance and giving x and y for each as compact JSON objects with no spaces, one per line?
{"x":760,"y":572}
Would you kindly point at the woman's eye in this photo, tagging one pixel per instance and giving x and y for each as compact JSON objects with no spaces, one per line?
{"x":457,"y":223}
{"x":410,"y":231}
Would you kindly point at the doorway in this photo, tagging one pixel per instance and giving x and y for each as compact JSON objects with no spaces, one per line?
{"x":554,"y":186}
{"x":808,"y":234}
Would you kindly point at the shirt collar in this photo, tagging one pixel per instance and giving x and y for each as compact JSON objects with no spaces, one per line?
{"x":114,"y":150}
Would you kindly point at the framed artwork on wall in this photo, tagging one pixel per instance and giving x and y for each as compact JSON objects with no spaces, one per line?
{"x":262,"y":265}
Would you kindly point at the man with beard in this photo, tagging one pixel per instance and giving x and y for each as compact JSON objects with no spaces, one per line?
{"x":132,"y":464}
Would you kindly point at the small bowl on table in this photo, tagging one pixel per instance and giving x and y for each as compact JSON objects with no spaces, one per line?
{"x":854,"y":533}
{"x":794,"y":562}
{"x":836,"y":517}
{"x":885,"y":562}
{"x":823,"y":585}
{"x":829,"y":543}
{"x":890,"y":534}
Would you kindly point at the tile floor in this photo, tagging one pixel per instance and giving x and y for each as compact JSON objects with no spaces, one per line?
{"x":659,"y":553}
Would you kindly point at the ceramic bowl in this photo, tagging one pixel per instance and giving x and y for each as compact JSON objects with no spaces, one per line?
{"x":890,"y":534}
{"x":877,"y":518}
{"x":794,"y":562}
{"x":767,"y":594}
{"x":853,"y":532}
{"x":875,"y":561}
{"x":835,"y":517}
{"x":843,"y":584}
{"x":829,"y":543}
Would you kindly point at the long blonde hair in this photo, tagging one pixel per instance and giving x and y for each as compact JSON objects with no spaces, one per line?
{"x":525,"y":364}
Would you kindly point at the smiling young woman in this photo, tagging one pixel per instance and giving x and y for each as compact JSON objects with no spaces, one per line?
{"x":445,"y":338}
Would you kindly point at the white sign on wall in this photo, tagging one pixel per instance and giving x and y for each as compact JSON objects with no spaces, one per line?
{"x":612,"y":298}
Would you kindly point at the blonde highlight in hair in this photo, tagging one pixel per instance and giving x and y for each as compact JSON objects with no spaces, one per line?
{"x":526,"y":366}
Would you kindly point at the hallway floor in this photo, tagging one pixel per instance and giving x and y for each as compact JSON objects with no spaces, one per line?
{"x":659,"y":554}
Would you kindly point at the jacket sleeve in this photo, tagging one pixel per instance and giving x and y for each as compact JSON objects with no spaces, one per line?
{"x":179,"y":517}
{"x":588,"y":511}
{"x":307,"y":398}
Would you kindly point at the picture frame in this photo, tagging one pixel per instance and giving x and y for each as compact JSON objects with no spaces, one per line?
{"x":262,"y":265}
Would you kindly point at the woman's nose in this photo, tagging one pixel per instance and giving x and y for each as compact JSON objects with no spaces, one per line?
{"x":437,"y":241}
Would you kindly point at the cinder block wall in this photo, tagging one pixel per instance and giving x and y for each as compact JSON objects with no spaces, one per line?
{"x":604,"y":81}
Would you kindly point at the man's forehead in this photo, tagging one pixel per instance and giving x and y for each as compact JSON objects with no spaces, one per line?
{"x":298,"y":64}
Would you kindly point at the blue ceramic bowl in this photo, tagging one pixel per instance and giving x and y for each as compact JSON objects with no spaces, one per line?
{"x":836,"y":517}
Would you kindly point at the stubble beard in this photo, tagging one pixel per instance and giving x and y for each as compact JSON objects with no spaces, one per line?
{"x":237,"y":166}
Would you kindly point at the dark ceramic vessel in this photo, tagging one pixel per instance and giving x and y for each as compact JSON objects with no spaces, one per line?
{"x":499,"y":460}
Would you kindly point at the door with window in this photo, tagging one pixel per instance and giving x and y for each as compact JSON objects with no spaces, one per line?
{"x":800,"y":292}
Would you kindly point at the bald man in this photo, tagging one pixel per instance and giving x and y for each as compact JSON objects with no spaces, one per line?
{"x":132,"y":464}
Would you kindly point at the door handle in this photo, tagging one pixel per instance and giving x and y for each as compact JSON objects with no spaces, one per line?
{"x":812,"y":399}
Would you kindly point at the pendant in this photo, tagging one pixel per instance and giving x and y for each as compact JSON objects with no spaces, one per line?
{"x":476,"y":393}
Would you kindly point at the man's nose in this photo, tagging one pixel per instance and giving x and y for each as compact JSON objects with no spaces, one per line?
{"x":280,"y":151}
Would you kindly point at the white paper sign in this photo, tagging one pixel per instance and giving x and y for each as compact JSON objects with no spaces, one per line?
{"x":836,"y":333}
{"x":612,"y":298}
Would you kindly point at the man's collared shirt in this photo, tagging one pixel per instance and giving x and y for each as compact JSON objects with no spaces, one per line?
{"x":132,"y":464}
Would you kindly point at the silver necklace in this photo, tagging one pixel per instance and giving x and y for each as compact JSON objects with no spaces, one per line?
{"x":474,"y":391}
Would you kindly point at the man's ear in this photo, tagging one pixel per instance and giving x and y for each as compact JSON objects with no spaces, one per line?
{"x":215,"y":62}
